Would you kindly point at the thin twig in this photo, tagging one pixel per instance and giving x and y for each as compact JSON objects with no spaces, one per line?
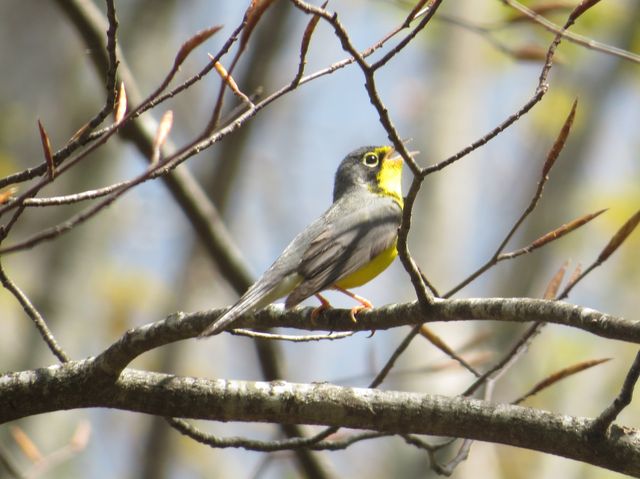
{"x":461,"y":456}
{"x":547,"y":238}
{"x":313,"y":442}
{"x":415,"y":186}
{"x":614,"y":243}
{"x":572,"y":37}
{"x":622,"y":400}
{"x":544,"y":177}
{"x":434,"y":339}
{"x":36,"y":317}
{"x":370,"y":85}
{"x":163,"y":168}
{"x":516,"y":351}
{"x":294,"y":339}
{"x":397,"y":352}
{"x":541,"y":90}
{"x":304,"y":46}
{"x":464,"y":449}
{"x":194,"y":148}
{"x":415,"y":441}
{"x":427,"y":14}
{"x":106,"y":133}
{"x":522,"y":344}
{"x":75,"y":197}
{"x":77,"y":141}
{"x":54,"y":232}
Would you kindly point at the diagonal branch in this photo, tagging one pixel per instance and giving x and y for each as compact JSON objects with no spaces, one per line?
{"x":606,"y":418}
{"x":36,"y":317}
{"x":570,"y":36}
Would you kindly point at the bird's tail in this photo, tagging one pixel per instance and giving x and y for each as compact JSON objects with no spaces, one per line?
{"x":255,"y":298}
{"x":263,"y":292}
{"x":225,"y":320}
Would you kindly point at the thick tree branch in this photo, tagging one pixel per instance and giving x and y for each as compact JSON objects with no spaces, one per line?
{"x":78,"y":384}
{"x":180,"y":326}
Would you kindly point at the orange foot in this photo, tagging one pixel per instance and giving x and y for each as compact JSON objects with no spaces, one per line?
{"x":364,"y":304}
{"x":324,"y":305}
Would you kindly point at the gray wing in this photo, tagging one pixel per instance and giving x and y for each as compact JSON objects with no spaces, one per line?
{"x":278,"y":281}
{"x":346,"y":243}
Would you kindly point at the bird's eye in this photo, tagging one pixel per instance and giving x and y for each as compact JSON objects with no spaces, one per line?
{"x":371,"y":160}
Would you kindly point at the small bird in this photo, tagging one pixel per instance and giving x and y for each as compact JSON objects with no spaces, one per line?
{"x":349,"y":245}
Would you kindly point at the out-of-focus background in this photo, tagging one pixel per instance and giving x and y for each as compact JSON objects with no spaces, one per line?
{"x":139,"y":260}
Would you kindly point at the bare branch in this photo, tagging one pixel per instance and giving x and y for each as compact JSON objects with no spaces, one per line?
{"x":614,"y":243}
{"x":573,"y":37}
{"x":36,"y":317}
{"x":75,"y":197}
{"x":294,"y":339}
{"x":319,"y":404}
{"x":606,"y":418}
{"x":510,"y":357}
{"x":541,"y":90}
{"x":550,"y":161}
{"x":316,"y":442}
{"x":462,"y":455}
{"x":434,"y":339}
{"x":304,"y":45}
{"x":179,"y":326}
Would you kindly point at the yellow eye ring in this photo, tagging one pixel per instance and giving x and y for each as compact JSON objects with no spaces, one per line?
{"x":370,"y":159}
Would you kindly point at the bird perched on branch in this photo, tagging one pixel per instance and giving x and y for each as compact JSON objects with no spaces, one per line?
{"x":350,"y":244}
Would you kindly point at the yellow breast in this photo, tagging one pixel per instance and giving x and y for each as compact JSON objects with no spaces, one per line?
{"x":370,"y":270}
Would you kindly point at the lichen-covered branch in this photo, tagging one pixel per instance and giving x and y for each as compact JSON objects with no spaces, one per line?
{"x":78,"y":384}
{"x":181,"y":326}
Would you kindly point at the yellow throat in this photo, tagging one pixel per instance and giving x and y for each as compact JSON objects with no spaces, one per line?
{"x":389,"y":177}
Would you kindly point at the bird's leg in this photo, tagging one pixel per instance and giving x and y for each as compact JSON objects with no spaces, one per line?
{"x":364,"y":304}
{"x":324,"y":304}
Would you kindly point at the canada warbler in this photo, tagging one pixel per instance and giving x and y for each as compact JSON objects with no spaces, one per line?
{"x":350,"y":244}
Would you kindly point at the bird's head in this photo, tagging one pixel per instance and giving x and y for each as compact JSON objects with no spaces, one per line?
{"x":375,"y":168}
